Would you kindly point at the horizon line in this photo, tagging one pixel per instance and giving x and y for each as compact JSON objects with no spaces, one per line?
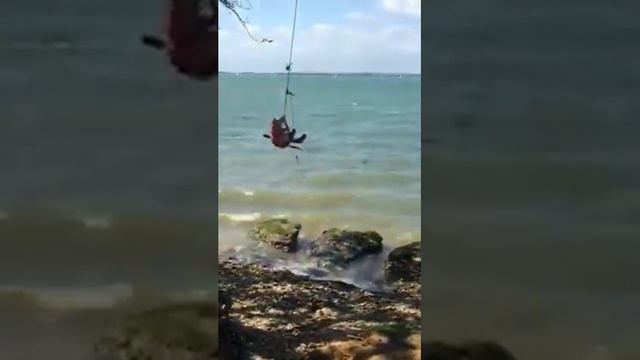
{"x":318,"y":73}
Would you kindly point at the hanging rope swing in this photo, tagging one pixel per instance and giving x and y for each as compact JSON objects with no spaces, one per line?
{"x":281,"y":135}
{"x":288,"y":92}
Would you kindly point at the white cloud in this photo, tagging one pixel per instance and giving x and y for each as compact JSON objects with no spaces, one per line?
{"x":325,"y":48}
{"x":403,"y":7}
{"x":358,"y":16}
{"x":251,"y":28}
{"x":323,"y":28}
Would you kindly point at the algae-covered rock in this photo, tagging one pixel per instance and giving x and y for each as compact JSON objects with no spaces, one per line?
{"x":403,"y":263}
{"x":185,"y":331}
{"x":278,"y":233}
{"x":340,"y":247}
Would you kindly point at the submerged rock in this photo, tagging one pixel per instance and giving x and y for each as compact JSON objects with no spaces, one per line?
{"x":340,"y":247}
{"x":278,"y":233}
{"x":480,"y":350}
{"x":403,"y":263}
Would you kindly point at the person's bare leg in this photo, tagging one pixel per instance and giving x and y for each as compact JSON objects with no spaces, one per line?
{"x":299,"y":140}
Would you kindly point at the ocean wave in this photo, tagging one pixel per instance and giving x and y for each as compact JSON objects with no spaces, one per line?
{"x":68,"y":222}
{"x":396,"y":231}
{"x":366,"y":273}
{"x":364,"y":180}
{"x":48,"y":45}
{"x":235,"y":218}
{"x":267,"y":197}
{"x":392,"y":113}
{"x":323,"y":115}
{"x":260,"y":200}
{"x":54,"y":248}
{"x":247,"y":220}
{"x":55,"y":45}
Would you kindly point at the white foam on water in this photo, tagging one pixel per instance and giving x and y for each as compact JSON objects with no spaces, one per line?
{"x":242,"y":217}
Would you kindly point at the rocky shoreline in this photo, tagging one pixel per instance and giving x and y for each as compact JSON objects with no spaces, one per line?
{"x":276,"y":314}
{"x":280,"y":315}
{"x":337,"y":249}
{"x":267,"y":313}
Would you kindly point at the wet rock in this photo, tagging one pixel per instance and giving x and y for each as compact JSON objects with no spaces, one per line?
{"x":340,"y":247}
{"x":480,"y":350}
{"x":403,"y":263}
{"x":278,"y":233}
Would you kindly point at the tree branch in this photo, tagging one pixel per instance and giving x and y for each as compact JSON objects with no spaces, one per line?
{"x":231,"y":6}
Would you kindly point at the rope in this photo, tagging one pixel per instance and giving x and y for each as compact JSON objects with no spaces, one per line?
{"x":293,"y":33}
{"x":293,"y":112}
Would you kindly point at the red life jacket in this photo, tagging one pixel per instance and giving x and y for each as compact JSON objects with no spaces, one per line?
{"x":193,"y":48}
{"x":280,"y":133}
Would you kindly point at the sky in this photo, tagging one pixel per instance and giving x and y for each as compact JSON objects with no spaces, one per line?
{"x":332,"y":36}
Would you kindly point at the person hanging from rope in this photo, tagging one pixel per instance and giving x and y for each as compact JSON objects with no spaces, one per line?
{"x":282,"y":137}
{"x":192,"y":38}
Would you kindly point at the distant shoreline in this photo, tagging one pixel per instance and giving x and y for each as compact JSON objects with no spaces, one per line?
{"x":318,"y":73}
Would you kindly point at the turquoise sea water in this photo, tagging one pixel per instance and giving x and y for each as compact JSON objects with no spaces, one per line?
{"x":360,"y":167}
